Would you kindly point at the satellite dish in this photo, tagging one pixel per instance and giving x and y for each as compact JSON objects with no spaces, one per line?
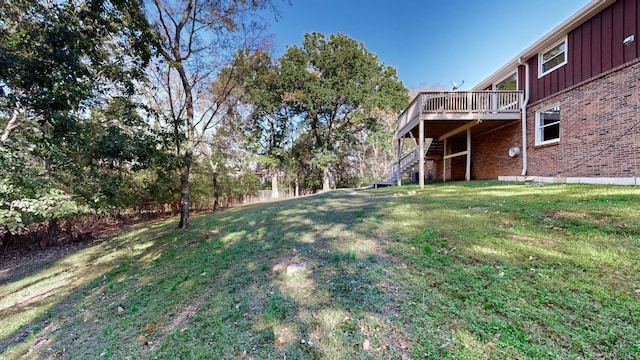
{"x":455,"y":85}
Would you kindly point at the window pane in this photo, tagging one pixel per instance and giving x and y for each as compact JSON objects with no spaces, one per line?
{"x":551,"y":132}
{"x":549,"y":119}
{"x":549,"y":124}
{"x":509,"y":83}
{"x":553,"y":52}
{"x":553,"y":58}
{"x":553,"y":62}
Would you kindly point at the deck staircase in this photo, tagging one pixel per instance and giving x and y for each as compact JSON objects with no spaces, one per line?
{"x":408,"y":161}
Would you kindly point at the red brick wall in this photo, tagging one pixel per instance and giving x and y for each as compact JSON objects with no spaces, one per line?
{"x":599,"y":128}
{"x":599,"y":133}
{"x":458,"y":166}
{"x":490,"y":153}
{"x":437,"y":169}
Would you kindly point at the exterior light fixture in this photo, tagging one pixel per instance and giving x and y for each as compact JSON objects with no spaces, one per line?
{"x":629,"y":39}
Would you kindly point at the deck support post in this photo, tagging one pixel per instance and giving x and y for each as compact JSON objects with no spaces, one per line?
{"x":444,"y":160}
{"x":421,"y":155}
{"x":467,"y":175}
{"x":398,"y":178}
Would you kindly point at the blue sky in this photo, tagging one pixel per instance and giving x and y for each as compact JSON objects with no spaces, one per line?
{"x":429,"y":42}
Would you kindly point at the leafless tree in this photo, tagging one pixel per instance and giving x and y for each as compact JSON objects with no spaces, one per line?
{"x":196,"y":40}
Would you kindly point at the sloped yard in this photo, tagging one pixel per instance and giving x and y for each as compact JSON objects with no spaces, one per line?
{"x":466,"y":270}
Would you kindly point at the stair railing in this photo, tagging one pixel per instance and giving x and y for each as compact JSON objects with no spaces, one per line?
{"x":408,"y":159}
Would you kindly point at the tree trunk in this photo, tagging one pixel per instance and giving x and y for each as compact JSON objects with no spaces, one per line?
{"x":52,"y":234}
{"x":326,"y":185}
{"x":184,"y":191}
{"x":216,"y":192}
{"x":46,"y":161}
{"x":274,"y":186}
{"x":297,"y":188}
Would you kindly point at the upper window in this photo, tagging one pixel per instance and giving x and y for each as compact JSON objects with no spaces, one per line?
{"x":552,"y":58}
{"x":548,"y":125}
{"x":509,"y":83}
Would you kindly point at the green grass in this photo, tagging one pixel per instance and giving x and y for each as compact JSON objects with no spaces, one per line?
{"x":478,"y":270}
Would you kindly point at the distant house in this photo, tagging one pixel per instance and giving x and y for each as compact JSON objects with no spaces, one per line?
{"x":566,"y":109}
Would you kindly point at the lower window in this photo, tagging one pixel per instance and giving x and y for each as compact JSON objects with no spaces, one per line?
{"x":548,"y":125}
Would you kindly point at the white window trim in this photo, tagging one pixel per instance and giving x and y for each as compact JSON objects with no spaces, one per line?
{"x":566,"y":57}
{"x":538,"y":134}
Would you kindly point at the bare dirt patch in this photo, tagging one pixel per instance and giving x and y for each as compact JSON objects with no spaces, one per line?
{"x":180,"y":317}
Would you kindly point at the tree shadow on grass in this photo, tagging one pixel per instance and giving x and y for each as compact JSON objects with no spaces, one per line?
{"x":32,"y":294}
{"x":148,"y":278}
{"x":307,"y":278}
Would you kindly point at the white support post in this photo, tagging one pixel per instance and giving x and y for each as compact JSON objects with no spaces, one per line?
{"x":421,"y":156}
{"x":398,"y":179}
{"x":451,"y":156}
{"x":468,"y":171}
{"x":460,"y":129}
{"x":444,"y":161}
{"x":494,"y":102}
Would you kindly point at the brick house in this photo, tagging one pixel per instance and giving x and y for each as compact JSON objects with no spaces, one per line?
{"x":566,"y":109}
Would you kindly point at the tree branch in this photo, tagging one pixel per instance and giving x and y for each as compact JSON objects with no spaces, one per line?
{"x":11,"y":125}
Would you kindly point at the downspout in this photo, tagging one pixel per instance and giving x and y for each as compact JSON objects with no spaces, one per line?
{"x":524,"y":115}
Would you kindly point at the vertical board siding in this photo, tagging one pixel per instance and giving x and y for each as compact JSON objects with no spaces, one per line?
{"x":553,"y":81}
{"x":575,"y":55}
{"x":592,"y":48}
{"x":562,"y":77}
{"x":630,"y":19}
{"x":546,"y":83}
{"x":596,"y":42}
{"x":618,"y":34}
{"x":637,"y":42}
{"x":568,"y":69}
{"x":586,"y":52}
{"x":521,"y":77}
{"x":607,"y":38}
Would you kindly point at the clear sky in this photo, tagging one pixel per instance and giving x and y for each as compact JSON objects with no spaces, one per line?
{"x":429,"y":42}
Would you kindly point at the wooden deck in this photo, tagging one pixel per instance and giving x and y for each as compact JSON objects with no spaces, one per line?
{"x":453,"y":107}
{"x":433,"y":117}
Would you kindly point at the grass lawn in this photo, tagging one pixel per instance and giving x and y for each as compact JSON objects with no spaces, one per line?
{"x":478,"y":270}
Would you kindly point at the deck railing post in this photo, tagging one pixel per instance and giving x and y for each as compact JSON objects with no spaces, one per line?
{"x":444,"y":161}
{"x":468,"y":169}
{"x":398,"y":179}
{"x":421,"y":155}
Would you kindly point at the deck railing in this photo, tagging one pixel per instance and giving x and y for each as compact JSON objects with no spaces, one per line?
{"x":481,"y":102}
{"x":393,"y":172}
